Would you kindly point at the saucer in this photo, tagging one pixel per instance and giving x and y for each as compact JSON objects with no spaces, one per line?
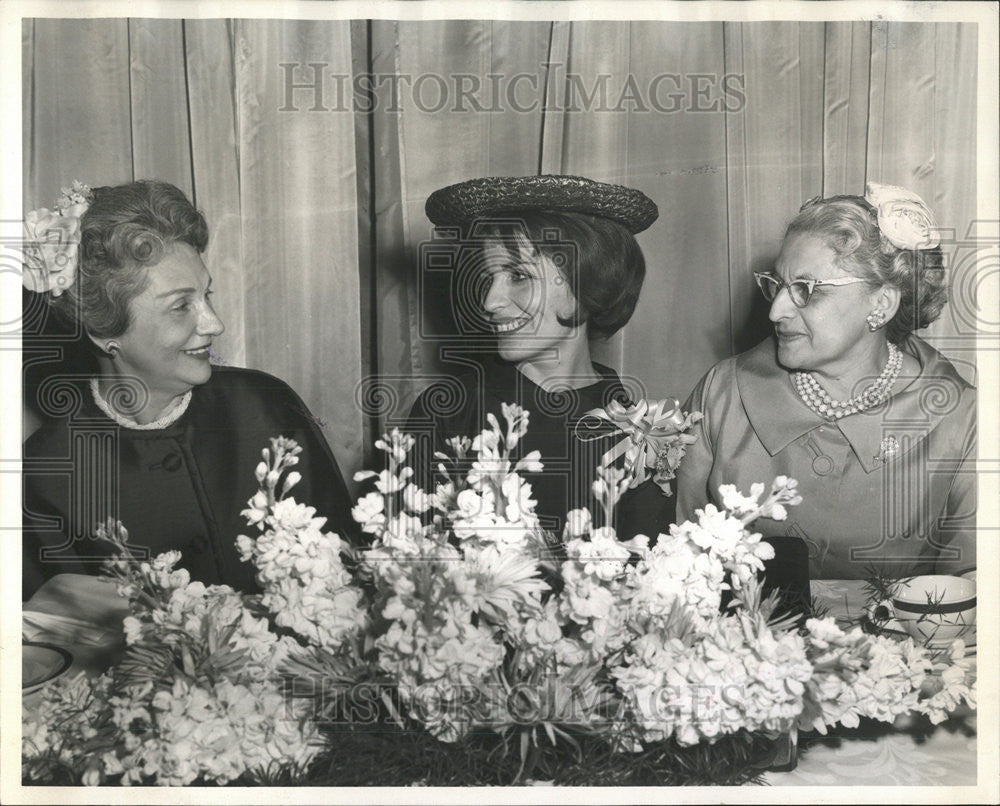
{"x":41,"y":664}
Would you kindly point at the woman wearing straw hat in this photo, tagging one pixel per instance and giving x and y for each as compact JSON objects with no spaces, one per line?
{"x":556,"y":265}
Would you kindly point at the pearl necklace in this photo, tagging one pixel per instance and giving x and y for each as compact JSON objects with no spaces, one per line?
{"x":169,"y":418}
{"x":817,"y":398}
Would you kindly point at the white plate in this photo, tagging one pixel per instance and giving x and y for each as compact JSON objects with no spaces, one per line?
{"x":41,"y":664}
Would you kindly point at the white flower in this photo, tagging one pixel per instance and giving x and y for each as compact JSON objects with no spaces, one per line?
{"x":472,"y":504}
{"x":257,"y":508}
{"x":415,"y":499}
{"x":74,"y":200}
{"x":544,"y":630}
{"x":51,"y":251}
{"x":520,"y":505}
{"x":386,"y":481}
{"x":505,"y":582}
{"x":602,"y":556}
{"x":166,"y":561}
{"x":404,"y":524}
{"x":903,"y":217}
{"x":396,"y":444}
{"x":291,"y":480}
{"x":291,"y":515}
{"x":517,"y":423}
{"x":444,"y":496}
{"x":368,"y":512}
{"x":735,"y":501}
{"x":610,"y":485}
{"x":577,"y":523}
{"x":244,"y":545}
{"x":133,"y":629}
{"x":487,"y":444}
{"x":530,"y":463}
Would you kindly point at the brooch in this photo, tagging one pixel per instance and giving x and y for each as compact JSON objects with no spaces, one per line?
{"x":887,"y":448}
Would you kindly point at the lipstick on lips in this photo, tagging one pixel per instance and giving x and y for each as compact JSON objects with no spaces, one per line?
{"x":199,"y":352}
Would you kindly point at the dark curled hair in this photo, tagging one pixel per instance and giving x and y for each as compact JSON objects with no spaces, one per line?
{"x":126,"y":229}
{"x":599,"y":258}
{"x":849,"y":226}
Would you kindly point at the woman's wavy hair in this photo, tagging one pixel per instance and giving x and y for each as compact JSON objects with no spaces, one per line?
{"x":849,"y":226}
{"x":125,"y":230}
{"x":599,"y":258}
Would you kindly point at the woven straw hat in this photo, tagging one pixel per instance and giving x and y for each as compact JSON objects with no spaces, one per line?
{"x":499,"y":196}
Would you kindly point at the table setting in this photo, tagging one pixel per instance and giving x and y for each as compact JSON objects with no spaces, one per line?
{"x":909,"y":752}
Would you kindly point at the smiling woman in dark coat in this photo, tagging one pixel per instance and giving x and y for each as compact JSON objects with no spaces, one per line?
{"x":157,"y":438}
{"x":556,"y":265}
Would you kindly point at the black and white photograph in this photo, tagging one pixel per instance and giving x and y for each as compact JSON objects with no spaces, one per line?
{"x":500,"y":402}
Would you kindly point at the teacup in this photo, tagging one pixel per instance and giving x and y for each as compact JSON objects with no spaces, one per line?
{"x":934,"y":609}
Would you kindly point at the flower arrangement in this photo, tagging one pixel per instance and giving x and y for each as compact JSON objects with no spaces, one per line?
{"x":197,"y":695}
{"x":299,"y":566}
{"x":481,"y":622}
{"x":465,"y":623}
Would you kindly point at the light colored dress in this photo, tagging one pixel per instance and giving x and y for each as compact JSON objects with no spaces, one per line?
{"x":894,"y":487}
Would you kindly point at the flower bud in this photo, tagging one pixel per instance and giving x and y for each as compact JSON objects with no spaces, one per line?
{"x":292,"y":479}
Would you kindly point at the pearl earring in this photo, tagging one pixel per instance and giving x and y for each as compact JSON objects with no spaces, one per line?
{"x":112,"y":349}
{"x":875,"y":320}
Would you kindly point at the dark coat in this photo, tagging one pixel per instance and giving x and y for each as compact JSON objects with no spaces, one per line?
{"x":180,"y":487}
{"x":458,"y":405}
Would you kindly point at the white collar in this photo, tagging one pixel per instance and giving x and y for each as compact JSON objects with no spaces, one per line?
{"x":169,"y":418}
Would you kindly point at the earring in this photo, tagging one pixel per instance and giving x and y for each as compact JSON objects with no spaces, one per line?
{"x":875,"y":320}
{"x":112,"y":348}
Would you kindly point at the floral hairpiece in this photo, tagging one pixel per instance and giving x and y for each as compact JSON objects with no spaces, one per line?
{"x":903,"y":218}
{"x":52,"y":241}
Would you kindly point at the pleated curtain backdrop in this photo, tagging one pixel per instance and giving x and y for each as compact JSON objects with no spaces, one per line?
{"x":316,"y":204}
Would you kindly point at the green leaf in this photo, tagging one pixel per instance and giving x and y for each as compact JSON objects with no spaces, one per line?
{"x":392,"y":709}
{"x":524,"y":755}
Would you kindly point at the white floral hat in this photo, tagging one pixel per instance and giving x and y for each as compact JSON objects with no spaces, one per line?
{"x":903,"y":218}
{"x":52,"y":242}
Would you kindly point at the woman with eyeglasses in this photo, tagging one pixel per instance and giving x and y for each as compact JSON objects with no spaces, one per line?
{"x":874,"y":423}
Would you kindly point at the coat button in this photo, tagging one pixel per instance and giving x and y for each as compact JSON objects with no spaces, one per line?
{"x":172,"y":462}
{"x":823,"y":465}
